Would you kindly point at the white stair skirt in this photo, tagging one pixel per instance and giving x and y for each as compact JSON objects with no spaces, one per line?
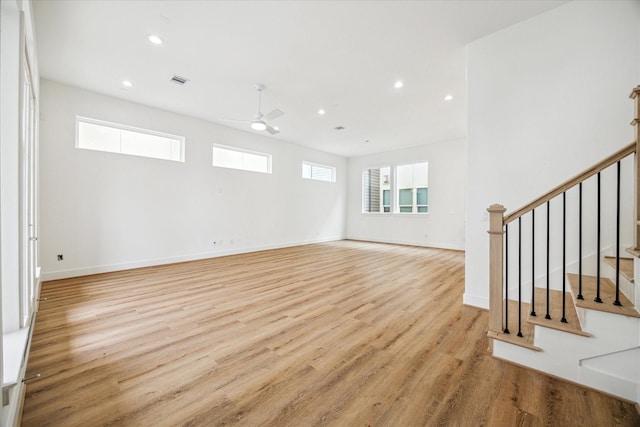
{"x":616,"y":373}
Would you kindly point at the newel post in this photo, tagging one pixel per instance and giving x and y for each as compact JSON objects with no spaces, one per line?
{"x":496,"y":242}
{"x":635,"y":95}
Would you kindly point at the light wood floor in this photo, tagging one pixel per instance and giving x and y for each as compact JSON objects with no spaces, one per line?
{"x":344,"y":334}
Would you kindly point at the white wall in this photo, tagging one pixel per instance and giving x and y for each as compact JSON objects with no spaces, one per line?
{"x":10,"y":158}
{"x":106,"y":211}
{"x":547,"y":99}
{"x":442,"y":227}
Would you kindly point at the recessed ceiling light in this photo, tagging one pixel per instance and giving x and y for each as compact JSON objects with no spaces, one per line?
{"x":321,"y":112}
{"x":448,"y":97}
{"x":127,"y":83}
{"x":276,"y":128}
{"x":155,"y":39}
{"x":398,"y":84}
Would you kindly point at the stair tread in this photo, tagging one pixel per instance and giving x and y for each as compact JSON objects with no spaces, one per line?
{"x":527,"y":329}
{"x":634,"y":251}
{"x":555,"y":312}
{"x":513,"y":339}
{"x":607,"y":294}
{"x":626,"y":266}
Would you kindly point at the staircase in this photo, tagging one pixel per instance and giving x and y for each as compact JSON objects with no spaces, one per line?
{"x":563,"y":294}
{"x":597,"y":340}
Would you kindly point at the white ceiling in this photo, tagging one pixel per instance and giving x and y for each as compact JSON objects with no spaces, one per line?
{"x":342,"y":56}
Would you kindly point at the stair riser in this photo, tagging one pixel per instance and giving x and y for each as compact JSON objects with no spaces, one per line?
{"x":613,"y":332}
{"x":626,"y":287}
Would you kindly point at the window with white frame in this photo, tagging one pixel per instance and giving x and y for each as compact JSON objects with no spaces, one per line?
{"x":397,"y":189}
{"x":318,"y":172}
{"x":238,"y":158}
{"x":376,"y":186}
{"x":413,"y":190}
{"x":92,"y":134}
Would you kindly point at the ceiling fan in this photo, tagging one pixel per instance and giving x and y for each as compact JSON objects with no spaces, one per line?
{"x":260,"y":120}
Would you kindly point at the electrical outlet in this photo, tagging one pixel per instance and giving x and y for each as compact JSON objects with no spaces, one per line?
{"x":60,"y":257}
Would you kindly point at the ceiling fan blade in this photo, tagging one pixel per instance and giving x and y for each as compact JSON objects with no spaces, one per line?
{"x":272,"y":130}
{"x":274,"y":114}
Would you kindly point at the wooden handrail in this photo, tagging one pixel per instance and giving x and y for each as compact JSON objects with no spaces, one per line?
{"x":598,"y":167}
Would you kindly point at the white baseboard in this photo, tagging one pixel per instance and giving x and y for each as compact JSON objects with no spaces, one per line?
{"x":455,"y":247}
{"x":475,"y":301}
{"x":85,"y":271}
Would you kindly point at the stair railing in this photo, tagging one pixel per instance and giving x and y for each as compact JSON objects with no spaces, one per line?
{"x":499,"y":238}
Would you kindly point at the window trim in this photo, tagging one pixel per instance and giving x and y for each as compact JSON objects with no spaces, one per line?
{"x":268,"y":156}
{"x":312,"y":164}
{"x":119,"y":126}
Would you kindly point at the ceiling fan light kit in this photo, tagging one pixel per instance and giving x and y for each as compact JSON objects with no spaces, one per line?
{"x":258,"y":125}
{"x":260,"y":120}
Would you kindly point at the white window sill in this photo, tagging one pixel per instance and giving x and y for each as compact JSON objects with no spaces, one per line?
{"x":407,"y":214}
{"x":14,"y":345}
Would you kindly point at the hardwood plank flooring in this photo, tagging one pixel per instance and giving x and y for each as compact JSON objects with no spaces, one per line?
{"x":337,"y":334}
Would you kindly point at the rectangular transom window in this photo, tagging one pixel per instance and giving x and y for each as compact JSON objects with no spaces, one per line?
{"x":92,"y":134}
{"x":238,"y":158}
{"x":318,"y":172}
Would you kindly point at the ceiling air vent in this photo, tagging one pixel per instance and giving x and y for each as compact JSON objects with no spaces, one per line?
{"x":179,"y":80}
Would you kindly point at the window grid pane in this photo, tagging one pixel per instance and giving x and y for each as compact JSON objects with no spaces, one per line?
{"x":386,"y":200}
{"x":374,"y":182}
{"x":318,"y":172}
{"x":236,"y":158}
{"x":405,"y":197}
{"x":421,"y":196}
{"x":306,"y":170}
